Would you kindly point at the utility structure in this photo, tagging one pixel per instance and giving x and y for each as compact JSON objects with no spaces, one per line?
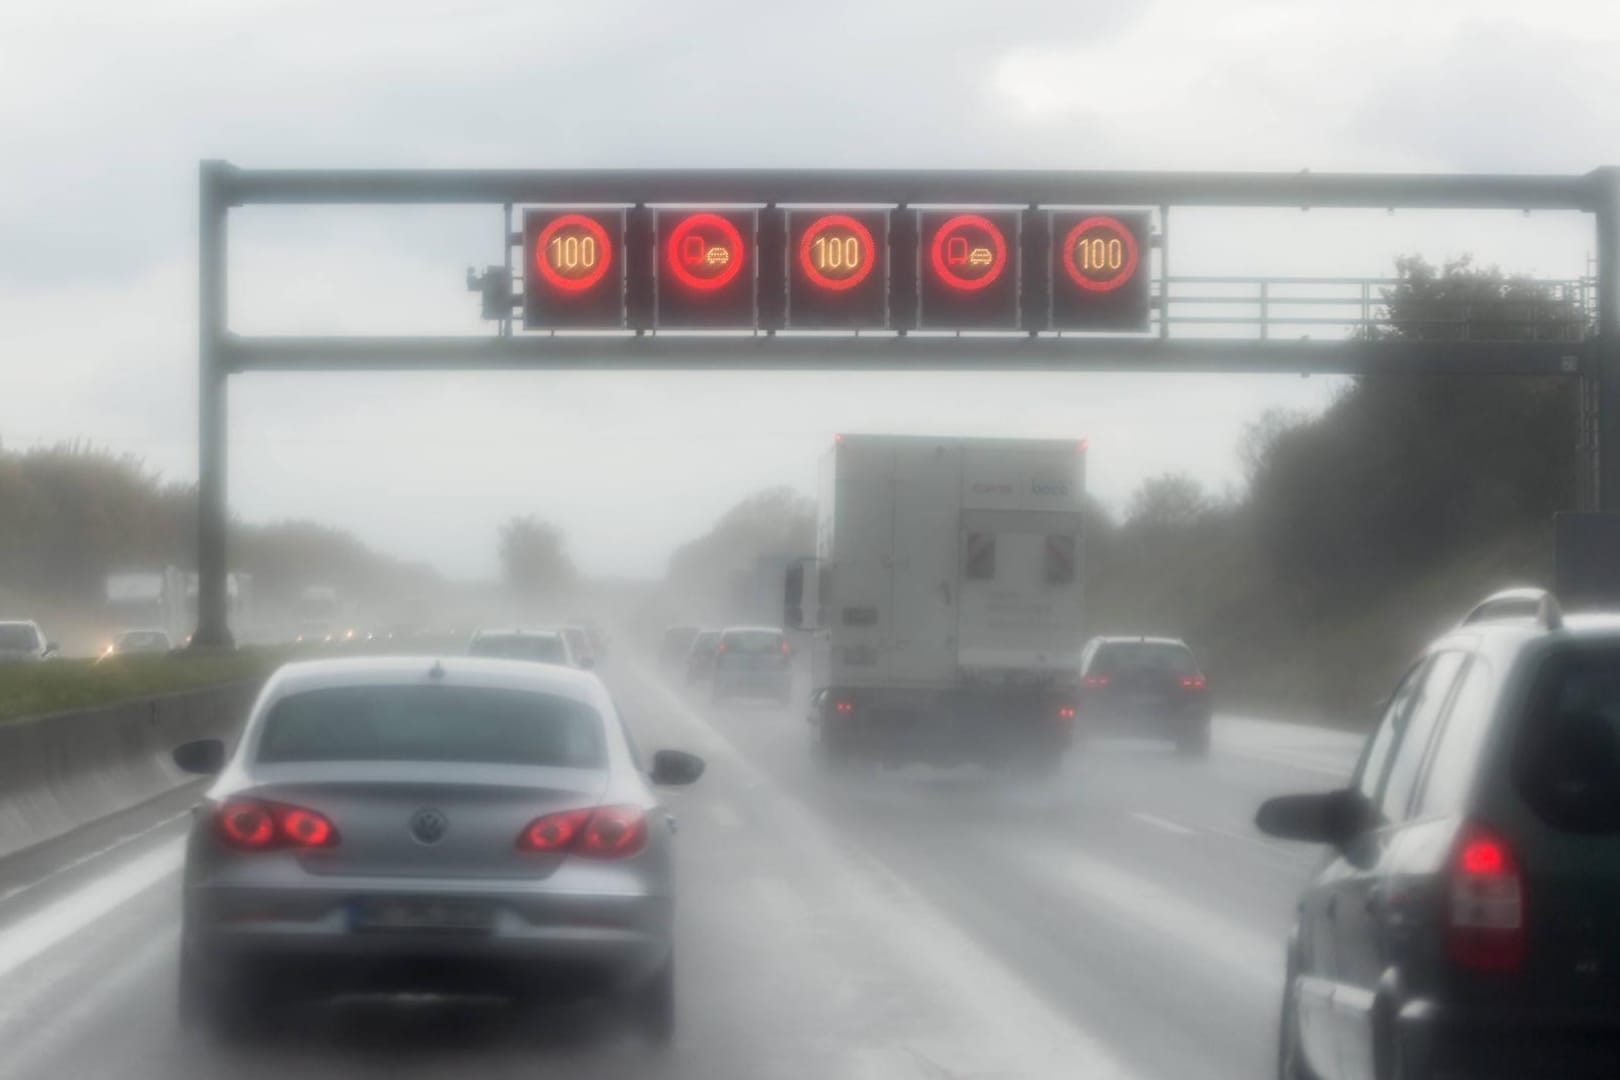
{"x":893,"y":270}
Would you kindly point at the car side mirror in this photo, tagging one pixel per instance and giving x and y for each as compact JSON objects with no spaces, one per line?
{"x":205,"y":757}
{"x":676,"y":768}
{"x":1334,"y":817}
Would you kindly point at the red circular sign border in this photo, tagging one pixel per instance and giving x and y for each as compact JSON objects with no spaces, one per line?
{"x":549,"y":272}
{"x":730,"y":234}
{"x":1132,"y":252}
{"x":822,"y":224}
{"x":949,"y":277}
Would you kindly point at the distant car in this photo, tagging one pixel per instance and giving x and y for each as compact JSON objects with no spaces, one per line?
{"x":1467,"y":921}
{"x":700,"y":657}
{"x":132,"y":642}
{"x":1145,"y":685}
{"x":752,"y":662}
{"x":579,"y":644}
{"x":595,"y":636}
{"x":22,"y":641}
{"x":406,"y":824}
{"x":676,"y":644}
{"x":544,"y":646}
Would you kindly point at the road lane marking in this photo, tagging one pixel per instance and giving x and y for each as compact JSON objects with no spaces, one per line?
{"x":1002,"y":1026}
{"x":1158,"y":910}
{"x":724,"y":816}
{"x":30,"y":936}
{"x":51,"y":1033}
{"x":73,"y":864}
{"x":1161,"y":823}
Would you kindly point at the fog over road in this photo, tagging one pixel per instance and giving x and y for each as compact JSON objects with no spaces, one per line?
{"x":1120,"y":919}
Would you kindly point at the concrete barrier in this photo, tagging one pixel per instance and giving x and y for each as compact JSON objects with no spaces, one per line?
{"x":66,"y":770}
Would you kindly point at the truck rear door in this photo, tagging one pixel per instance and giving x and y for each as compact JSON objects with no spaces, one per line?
{"x":1020,"y":606}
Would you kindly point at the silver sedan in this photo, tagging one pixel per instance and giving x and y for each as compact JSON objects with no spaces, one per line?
{"x":398,"y":824}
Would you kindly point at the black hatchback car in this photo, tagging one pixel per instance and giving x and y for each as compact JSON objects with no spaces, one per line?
{"x":1145,"y":686}
{"x":1467,"y":922}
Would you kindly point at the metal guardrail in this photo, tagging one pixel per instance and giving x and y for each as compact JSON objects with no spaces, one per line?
{"x":1360,"y":308}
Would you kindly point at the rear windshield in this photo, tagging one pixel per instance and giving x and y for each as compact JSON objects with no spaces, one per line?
{"x":544,"y":647}
{"x":433,"y":723}
{"x":753,"y":641}
{"x":17,"y":637}
{"x":1567,"y":768}
{"x":1144,"y":656}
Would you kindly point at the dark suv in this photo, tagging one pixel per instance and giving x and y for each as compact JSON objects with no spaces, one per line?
{"x":1468,"y":921}
{"x":1147,"y":686}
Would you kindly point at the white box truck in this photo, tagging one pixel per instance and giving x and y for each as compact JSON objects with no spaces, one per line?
{"x":945,"y":598}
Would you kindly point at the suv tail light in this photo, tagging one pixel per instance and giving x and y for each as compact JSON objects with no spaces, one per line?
{"x":606,"y":832}
{"x":1192,"y":682}
{"x":1485,"y":918}
{"x":1094,"y":681}
{"x":258,"y":825}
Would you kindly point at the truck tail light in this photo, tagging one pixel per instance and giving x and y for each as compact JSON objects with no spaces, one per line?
{"x":1485,"y":915}
{"x":1066,"y":712}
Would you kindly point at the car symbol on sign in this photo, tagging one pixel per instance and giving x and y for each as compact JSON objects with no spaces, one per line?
{"x":718,"y":256}
{"x":979,"y":257}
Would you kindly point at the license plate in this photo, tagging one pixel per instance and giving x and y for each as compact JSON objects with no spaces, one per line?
{"x":445,"y":916}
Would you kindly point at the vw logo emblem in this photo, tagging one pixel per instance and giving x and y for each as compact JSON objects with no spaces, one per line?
{"x":429,"y":825}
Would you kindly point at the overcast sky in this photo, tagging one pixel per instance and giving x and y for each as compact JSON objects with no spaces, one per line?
{"x":106,"y":108}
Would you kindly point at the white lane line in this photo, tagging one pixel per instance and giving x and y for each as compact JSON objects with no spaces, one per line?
{"x":27,"y":1052}
{"x":1161,"y":913}
{"x":28,"y":937}
{"x":724,"y":816}
{"x":1161,"y":823}
{"x":122,"y":841}
{"x":1288,"y":761}
{"x":1001,"y":1026}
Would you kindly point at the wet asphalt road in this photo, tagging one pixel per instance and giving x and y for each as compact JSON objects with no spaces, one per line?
{"x":1119,"y":919}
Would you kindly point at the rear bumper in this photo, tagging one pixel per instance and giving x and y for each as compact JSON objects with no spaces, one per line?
{"x":532,"y":938}
{"x":1448,"y":1043}
{"x":944,"y":726}
{"x":1169,"y":719}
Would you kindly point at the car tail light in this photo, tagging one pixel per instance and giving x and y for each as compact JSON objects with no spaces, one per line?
{"x":1486,"y":915}
{"x":614,"y":832}
{"x":1095,"y":681}
{"x":257,"y":825}
{"x":606,"y":832}
{"x":554,"y":832}
{"x":785,"y":649}
{"x":844,"y":707}
{"x":1192,"y":682}
{"x":720,"y":649}
{"x":1066,"y":712}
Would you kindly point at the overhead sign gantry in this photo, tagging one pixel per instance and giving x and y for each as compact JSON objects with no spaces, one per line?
{"x":823,"y":270}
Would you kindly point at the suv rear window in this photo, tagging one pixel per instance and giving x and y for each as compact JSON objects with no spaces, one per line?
{"x":1567,"y":768}
{"x":543,"y":647}
{"x":753,"y":641}
{"x":1117,"y":657}
{"x":18,"y":637}
{"x":433,"y":723}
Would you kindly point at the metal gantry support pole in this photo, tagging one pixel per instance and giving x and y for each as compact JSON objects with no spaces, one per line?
{"x":213,"y":625}
{"x":1607,"y":204}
